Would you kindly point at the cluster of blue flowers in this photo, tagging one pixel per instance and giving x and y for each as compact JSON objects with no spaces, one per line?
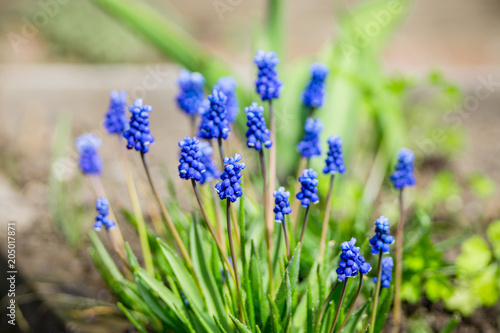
{"x":310,"y":145}
{"x":115,"y":120}
{"x":335,"y":159}
{"x":403,"y":176}
{"x":228,"y":86}
{"x":382,"y":239}
{"x":351,"y":261}
{"x":314,"y":94}
{"x":191,"y":97}
{"x":230,"y":185}
{"x":102,"y":206}
{"x":257,"y":133}
{"x":139,"y":135}
{"x":87,"y":145}
{"x":211,"y":170}
{"x":309,"y":188}
{"x":386,"y":277}
{"x":268,"y":85}
{"x":282,"y":207}
{"x":214,"y":123}
{"x":190,"y":166}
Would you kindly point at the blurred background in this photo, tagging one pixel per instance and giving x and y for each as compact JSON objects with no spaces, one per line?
{"x":60,"y":58}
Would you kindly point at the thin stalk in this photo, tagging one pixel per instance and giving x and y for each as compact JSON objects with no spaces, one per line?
{"x":326,"y":218}
{"x":211,"y":228}
{"x":351,"y":308}
{"x":269,"y":232}
{"x":233,"y":256}
{"x":325,"y":303}
{"x":295,"y":204}
{"x":337,"y":313}
{"x":164,"y":211}
{"x":306,"y":217}
{"x":193,"y":124}
{"x":221,"y":152}
{"x":376,"y":293}
{"x":218,"y":213}
{"x":272,"y":169}
{"x":287,"y":241}
{"x":399,"y":264}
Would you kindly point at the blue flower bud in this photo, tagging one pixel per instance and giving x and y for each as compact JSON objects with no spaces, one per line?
{"x":191,"y":97}
{"x":314,"y":94}
{"x":190,"y":165}
{"x":382,"y":238}
{"x":230,"y":185}
{"x":139,"y":135}
{"x":115,"y":121}
{"x":351,"y":261}
{"x":282,"y":206}
{"x":310,"y":145}
{"x":257,"y":133}
{"x":308,"y":192}
{"x":90,"y":162}
{"x":102,"y":207}
{"x":214,"y":123}
{"x":403,"y":176}
{"x":386,"y":277}
{"x":228,"y":85}
{"x":211,"y":170}
{"x":335,"y":159}
{"x":268,"y":85}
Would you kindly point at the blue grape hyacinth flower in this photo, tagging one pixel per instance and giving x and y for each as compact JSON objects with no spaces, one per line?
{"x":102,"y":207}
{"x":314,"y":94}
{"x":190,"y":166}
{"x":282,"y":206}
{"x":382,"y":239}
{"x":139,"y":135}
{"x":257,"y":133}
{"x":310,"y":145}
{"x":268,"y":85}
{"x":211,"y":170}
{"x":191,"y":97}
{"x":335,"y":158}
{"x":386,"y":278}
{"x":115,"y":121}
{"x":403,"y":176}
{"x":228,"y":85}
{"x":90,"y":162}
{"x":309,"y":188}
{"x":230,"y":185}
{"x":214,"y":123}
{"x":351,"y":261}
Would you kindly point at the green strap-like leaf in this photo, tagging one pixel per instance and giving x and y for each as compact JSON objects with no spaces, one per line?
{"x":242,"y":328}
{"x":132,"y":318}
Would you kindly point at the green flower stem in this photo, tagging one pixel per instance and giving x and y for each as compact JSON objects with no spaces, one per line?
{"x":142,"y":226}
{"x":399,"y":264}
{"x":325,"y":220}
{"x":341,"y":300}
{"x":218,"y":214}
{"x":351,"y":308}
{"x":325,"y":304}
{"x":304,"y":225}
{"x":269,"y":231}
{"x":233,"y":256}
{"x":193,"y":124}
{"x":376,"y":293}
{"x":218,"y":241}
{"x":287,"y":241}
{"x":272,"y":170}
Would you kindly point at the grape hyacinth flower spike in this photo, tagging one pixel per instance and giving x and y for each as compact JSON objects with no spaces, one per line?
{"x":313,"y":96}
{"x":267,"y":84}
{"x":229,"y":189}
{"x":334,"y":163}
{"x":307,"y":195}
{"x":139,"y":135}
{"x":257,"y":133}
{"x":190,"y":165}
{"x":191,"y":97}
{"x":402,"y":177}
{"x":281,"y":209}
{"x":90,"y":162}
{"x":227,"y":85}
{"x":214,"y":123}
{"x":211,"y":170}
{"x":102,"y":207}
{"x":310,"y":145}
{"x":115,"y":121}
{"x":351,"y":263}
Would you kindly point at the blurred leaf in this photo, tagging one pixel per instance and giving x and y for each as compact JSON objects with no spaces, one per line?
{"x":493,"y":233}
{"x":450,"y":327}
{"x":486,"y":285}
{"x":256,"y":288}
{"x":132,"y":318}
{"x":482,"y":186}
{"x":384,"y":308}
{"x":438,"y":287}
{"x":475,"y":255}
{"x":274,"y":322}
{"x":355,"y":319}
